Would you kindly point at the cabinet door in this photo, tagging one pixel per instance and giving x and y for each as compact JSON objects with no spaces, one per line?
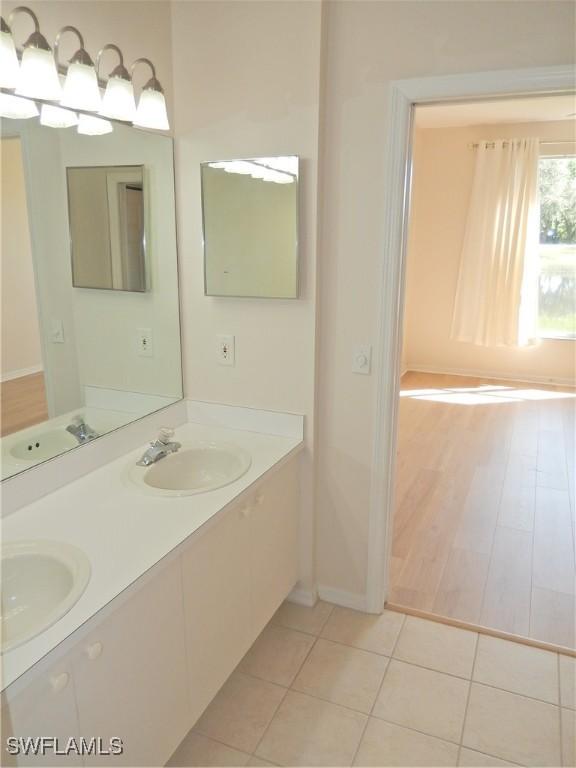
{"x":43,"y":707}
{"x":130,"y":674}
{"x":274,"y":524}
{"x":216,"y":582}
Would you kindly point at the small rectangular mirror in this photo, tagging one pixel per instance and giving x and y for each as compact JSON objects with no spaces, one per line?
{"x":250,"y":219}
{"x":107,"y":227}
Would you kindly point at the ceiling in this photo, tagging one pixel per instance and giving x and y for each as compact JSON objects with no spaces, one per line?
{"x":534,"y":109}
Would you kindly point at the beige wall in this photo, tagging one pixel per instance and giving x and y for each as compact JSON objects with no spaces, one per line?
{"x":368,"y":44}
{"x":442,"y":182}
{"x":20,"y":337}
{"x":246,"y":84}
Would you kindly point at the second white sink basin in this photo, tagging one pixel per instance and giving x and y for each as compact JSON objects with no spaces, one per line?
{"x":41,"y":581}
{"x":43,"y":445}
{"x":195,"y":468}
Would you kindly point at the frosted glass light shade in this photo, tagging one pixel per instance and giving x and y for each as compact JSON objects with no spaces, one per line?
{"x":151,"y":112}
{"x":118,"y":102}
{"x":56,"y":117}
{"x":38,"y":77}
{"x":9,"y":65}
{"x":17,"y":108}
{"x":81,"y":89}
{"x":93,"y":126}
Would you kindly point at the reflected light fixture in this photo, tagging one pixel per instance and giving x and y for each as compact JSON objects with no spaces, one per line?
{"x":37,"y":76}
{"x":118,"y":102}
{"x":81,"y":89}
{"x":93,"y":126}
{"x":151,"y":111}
{"x":9,"y":64}
{"x":56,"y":117}
{"x":17,"y":108}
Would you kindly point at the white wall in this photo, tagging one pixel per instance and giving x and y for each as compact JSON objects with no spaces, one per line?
{"x":441,"y":187}
{"x":246,"y":84}
{"x":21,"y":351}
{"x":368,"y":44}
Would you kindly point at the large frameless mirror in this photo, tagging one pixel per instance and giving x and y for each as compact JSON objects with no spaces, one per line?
{"x":81,"y":214}
{"x":250,"y":218}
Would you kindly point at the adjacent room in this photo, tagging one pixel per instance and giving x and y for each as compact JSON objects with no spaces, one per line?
{"x":484,"y":520}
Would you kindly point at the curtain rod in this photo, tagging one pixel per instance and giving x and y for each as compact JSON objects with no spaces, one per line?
{"x":491,"y":144}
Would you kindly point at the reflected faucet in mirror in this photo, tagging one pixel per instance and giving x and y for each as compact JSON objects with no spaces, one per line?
{"x":81,"y":431}
{"x":159,"y":448}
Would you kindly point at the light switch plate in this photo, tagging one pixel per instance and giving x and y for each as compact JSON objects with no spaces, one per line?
{"x":362,"y":359}
{"x":226,"y":350}
{"x":57,"y":332}
{"x":144,"y":342}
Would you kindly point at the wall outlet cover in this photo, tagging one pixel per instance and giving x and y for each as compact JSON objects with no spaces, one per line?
{"x":144,"y":342}
{"x":226,"y":350}
{"x":362,"y":359}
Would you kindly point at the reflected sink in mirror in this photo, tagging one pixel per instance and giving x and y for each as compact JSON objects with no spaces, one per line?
{"x":195,"y":468}
{"x":41,"y":581}
{"x":42,"y":445}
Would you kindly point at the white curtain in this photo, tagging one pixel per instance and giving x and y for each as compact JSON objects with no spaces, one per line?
{"x":497,"y":291}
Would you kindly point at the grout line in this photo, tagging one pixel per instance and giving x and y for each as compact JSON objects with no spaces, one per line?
{"x":467,"y":700}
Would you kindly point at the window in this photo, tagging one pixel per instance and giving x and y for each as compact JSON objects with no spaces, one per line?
{"x":557,"y":276}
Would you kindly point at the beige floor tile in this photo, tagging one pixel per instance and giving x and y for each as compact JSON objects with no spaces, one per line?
{"x":384,"y":744}
{"x":377,"y":633}
{"x":431,"y":702}
{"x":567,"y":681}
{"x":469,"y":758}
{"x":342,"y":675}
{"x":240,"y":712}
{"x":277,"y":655}
{"x":512,"y":727}
{"x":307,"y":731}
{"x":518,"y":668}
{"x":568,"y":737}
{"x":302,"y":618}
{"x":198,"y":750}
{"x":437,"y":646}
{"x":256,"y":761}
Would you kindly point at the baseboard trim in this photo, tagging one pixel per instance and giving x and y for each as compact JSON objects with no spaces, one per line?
{"x":19,"y":374}
{"x":300,"y":596}
{"x":343,"y":598}
{"x":491,"y":375}
{"x":481,"y":629}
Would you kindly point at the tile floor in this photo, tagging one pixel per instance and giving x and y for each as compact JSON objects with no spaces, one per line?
{"x":330,"y":686}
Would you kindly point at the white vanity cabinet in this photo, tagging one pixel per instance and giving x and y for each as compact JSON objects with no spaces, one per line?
{"x":145,"y":667}
{"x":235,"y":577}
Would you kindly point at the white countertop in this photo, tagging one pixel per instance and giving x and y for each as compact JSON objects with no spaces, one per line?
{"x":123,"y":530}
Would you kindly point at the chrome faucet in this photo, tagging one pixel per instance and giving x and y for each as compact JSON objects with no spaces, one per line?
{"x":159,"y":448}
{"x":81,"y":431}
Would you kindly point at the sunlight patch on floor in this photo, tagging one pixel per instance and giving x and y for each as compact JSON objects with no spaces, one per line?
{"x":484,"y":395}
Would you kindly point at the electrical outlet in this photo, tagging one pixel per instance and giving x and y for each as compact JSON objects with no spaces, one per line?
{"x":57,"y":332}
{"x":226,"y":350}
{"x":144,"y":342}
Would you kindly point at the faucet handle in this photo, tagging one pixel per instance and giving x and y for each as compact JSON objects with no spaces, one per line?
{"x":77,"y":420}
{"x":165,"y":435}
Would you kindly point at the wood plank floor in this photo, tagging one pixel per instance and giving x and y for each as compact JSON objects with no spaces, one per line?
{"x":23,"y":403}
{"x":485,"y":520}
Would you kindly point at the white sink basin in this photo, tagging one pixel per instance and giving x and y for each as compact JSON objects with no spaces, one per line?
{"x":43,"y":445}
{"x":195,"y":468}
{"x":41,"y":581}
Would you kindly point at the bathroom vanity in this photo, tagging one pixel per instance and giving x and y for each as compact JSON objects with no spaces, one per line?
{"x":180,"y":587}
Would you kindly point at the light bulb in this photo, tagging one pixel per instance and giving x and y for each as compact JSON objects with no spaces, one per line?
{"x":93,"y":126}
{"x":16,"y":107}
{"x":9,"y":65}
{"x":38,"y":77}
{"x":81,"y":89}
{"x":56,"y":117}
{"x":151,"y":112}
{"x":118,"y":102}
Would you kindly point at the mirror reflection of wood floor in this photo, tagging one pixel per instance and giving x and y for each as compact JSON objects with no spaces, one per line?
{"x":484,"y":527}
{"x":23,"y":403}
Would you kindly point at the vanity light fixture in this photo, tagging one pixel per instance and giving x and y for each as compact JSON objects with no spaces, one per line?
{"x":81,"y":89}
{"x":17,"y":108}
{"x":37,"y":76}
{"x":151,"y":112}
{"x":9,"y":64}
{"x":93,"y":126}
{"x":56,"y":117}
{"x":118,"y":102}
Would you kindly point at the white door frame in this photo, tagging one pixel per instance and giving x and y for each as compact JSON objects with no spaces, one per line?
{"x":404,"y":95}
